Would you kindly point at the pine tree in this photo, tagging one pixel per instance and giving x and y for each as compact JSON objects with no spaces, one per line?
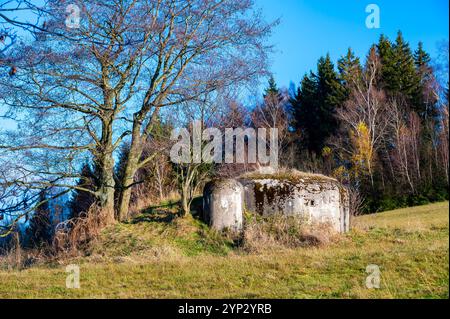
{"x":424,"y":99}
{"x":349,"y":67}
{"x":82,"y":200}
{"x":315,"y":105}
{"x":331,"y":94}
{"x":399,"y":71}
{"x":304,"y":106}
{"x":421,"y":58}
{"x":350,"y":70}
{"x":386,"y":54}
{"x":405,"y":79}
{"x":272,"y":88}
{"x":40,"y":230}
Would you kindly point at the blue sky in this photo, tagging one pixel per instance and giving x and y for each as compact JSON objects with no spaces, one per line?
{"x":311,"y":28}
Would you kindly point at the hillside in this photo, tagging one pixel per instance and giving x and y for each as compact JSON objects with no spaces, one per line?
{"x":158,"y":256}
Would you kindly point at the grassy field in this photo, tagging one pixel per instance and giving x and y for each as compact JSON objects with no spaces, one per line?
{"x":155,"y":257}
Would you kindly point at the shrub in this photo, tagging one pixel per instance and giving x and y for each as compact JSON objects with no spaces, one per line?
{"x":74,"y":236}
{"x":261,"y":233}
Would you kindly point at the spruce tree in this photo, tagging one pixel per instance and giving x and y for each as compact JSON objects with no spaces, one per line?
{"x":272,"y":91}
{"x":405,"y":80}
{"x":331,"y":95}
{"x":399,"y":72}
{"x":349,"y":66}
{"x":421,"y":58}
{"x":315,"y":105}
{"x":424,"y":99}
{"x":305,"y":106}
{"x":386,"y":54}
{"x":272,"y":88}
{"x":350,"y":69}
{"x":82,"y":200}
{"x":40,"y":230}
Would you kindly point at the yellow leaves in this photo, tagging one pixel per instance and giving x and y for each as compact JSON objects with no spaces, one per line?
{"x":341,"y":173}
{"x":326,"y":151}
{"x":362,"y":157}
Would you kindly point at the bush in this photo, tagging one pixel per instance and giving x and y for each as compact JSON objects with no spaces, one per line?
{"x":261,"y":233}
{"x":73,"y":237}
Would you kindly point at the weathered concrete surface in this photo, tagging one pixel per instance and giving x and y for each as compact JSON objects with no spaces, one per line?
{"x":223,"y":205}
{"x":316,"y":198}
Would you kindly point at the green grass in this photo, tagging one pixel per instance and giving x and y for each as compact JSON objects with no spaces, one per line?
{"x":154,"y":257}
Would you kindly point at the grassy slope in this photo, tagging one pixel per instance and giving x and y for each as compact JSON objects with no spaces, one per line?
{"x":155,"y":258}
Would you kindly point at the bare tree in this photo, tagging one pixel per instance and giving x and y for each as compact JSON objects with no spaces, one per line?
{"x":272,"y":113}
{"x":82,"y":92}
{"x":365,"y":116}
{"x":406,"y":135}
{"x":10,"y":23}
{"x":443,"y":146}
{"x":73,"y":89}
{"x":234,"y":115}
{"x":156,"y":179}
{"x":199,"y":47}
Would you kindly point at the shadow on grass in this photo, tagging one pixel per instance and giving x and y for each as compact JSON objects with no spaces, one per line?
{"x":166,"y":213}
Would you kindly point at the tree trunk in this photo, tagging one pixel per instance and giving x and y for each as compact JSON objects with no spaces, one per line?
{"x":106,"y":190}
{"x":133,"y":161}
{"x":160,"y":185}
{"x":105,"y":165}
{"x":185,"y":200}
{"x":131,"y":167}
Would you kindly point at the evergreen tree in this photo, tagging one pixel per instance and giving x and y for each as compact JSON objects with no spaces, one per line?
{"x":82,"y":200}
{"x":315,"y":105}
{"x":304,"y":106}
{"x":349,"y":66}
{"x":404,"y":74}
{"x":331,"y":94}
{"x":350,"y":69}
{"x":386,"y":54}
{"x":421,"y":58}
{"x":405,"y":80}
{"x":424,"y":99}
{"x":40,"y":230}
{"x":272,"y":88}
{"x":272,"y":93}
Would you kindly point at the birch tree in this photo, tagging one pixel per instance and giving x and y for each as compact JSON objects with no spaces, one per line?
{"x":364,"y":115}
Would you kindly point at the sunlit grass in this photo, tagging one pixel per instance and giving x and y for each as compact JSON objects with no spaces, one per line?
{"x":183,"y":259}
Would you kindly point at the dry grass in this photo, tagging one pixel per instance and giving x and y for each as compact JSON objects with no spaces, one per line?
{"x":277,"y":231}
{"x":74,"y":236}
{"x":159,"y":257}
{"x":288,"y":174}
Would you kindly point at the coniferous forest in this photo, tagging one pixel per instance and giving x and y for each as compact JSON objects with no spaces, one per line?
{"x":379,"y":124}
{"x":96,"y":95}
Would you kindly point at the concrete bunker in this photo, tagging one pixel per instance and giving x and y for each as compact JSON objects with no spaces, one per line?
{"x":315,"y":198}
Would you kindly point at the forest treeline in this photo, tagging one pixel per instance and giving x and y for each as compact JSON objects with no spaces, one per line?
{"x":94,"y":108}
{"x":379,"y":125}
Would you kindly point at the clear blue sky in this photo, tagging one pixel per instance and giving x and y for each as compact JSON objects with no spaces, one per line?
{"x":311,"y":28}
